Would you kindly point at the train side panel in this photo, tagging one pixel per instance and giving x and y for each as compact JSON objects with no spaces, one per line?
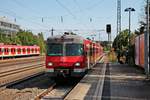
{"x":14,"y":50}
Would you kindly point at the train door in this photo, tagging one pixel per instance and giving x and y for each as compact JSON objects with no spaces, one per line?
{"x":32,"y":50}
{"x":35,"y":50}
{"x":91,"y":54}
{"x":1,"y":51}
{"x":24,"y":50}
{"x":28,"y":50}
{"x":88,"y":56}
{"x":19,"y":51}
{"x":6,"y":52}
{"x":87,"y":53}
{"x":13,"y":51}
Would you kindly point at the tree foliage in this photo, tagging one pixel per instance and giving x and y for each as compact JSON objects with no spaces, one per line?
{"x":121,"y":40}
{"x":23,"y":38}
{"x":121,"y":44}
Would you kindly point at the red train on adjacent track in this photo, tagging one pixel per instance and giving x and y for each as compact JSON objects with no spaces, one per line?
{"x":71,"y":55}
{"x":7,"y":51}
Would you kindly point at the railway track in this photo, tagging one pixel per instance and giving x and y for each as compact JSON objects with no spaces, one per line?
{"x":18,"y":70}
{"x":20,"y":73}
{"x":57,"y":91}
{"x":20,"y":61}
{"x":19,"y":66}
{"x":17,"y":59}
{"x":4,"y":86}
{"x":25,"y":88}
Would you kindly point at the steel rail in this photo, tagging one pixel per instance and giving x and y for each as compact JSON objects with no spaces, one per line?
{"x":21,"y":62}
{"x":19,"y":59}
{"x":14,"y":71}
{"x":42,"y":94}
{"x":4,"y":86}
{"x":45,"y":94}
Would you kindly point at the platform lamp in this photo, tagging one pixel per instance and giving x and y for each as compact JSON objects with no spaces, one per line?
{"x":129,"y":10}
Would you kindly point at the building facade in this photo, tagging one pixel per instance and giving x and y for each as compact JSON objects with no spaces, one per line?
{"x":8,"y":27}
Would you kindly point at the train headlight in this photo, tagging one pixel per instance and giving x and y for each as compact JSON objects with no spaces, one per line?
{"x":77,"y":64}
{"x":50,"y":64}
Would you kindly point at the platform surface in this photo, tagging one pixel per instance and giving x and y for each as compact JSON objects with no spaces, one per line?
{"x":112,"y":82}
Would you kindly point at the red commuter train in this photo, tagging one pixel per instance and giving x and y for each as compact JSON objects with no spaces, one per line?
{"x":18,"y":51}
{"x":71,"y":55}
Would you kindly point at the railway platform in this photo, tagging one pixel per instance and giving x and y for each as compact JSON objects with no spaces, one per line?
{"x":108,"y":81}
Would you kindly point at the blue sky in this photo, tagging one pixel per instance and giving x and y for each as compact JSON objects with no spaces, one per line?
{"x":75,"y":14}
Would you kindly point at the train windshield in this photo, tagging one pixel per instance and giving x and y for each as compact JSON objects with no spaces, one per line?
{"x":74,"y":49}
{"x":55,"y":49}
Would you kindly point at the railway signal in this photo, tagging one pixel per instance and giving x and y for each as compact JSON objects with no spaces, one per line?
{"x":108,"y":30}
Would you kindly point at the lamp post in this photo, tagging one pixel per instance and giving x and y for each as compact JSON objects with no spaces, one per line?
{"x":146,"y":42}
{"x":129,"y":10}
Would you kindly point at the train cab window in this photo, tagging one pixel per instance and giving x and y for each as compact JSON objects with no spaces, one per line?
{"x":74,"y":49}
{"x":55,"y":49}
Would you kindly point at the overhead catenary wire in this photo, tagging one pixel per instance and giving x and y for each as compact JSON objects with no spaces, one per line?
{"x":69,"y":11}
{"x":25,"y":7}
{"x":42,"y":19}
{"x":13,"y":14}
{"x":65,"y":8}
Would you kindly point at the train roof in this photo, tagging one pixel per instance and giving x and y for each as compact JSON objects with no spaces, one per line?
{"x":19,"y":46}
{"x":65,"y":38}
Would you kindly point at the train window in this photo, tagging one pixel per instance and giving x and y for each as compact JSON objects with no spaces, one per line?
{"x":24,"y":50}
{"x":12,"y":50}
{"x":19,"y":50}
{"x":32,"y":50}
{"x":74,"y":49}
{"x":28,"y":50}
{"x":35,"y":50}
{"x":6,"y":50}
{"x":54,"y":49}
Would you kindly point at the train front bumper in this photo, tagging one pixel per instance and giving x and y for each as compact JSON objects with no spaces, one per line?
{"x":65,"y":72}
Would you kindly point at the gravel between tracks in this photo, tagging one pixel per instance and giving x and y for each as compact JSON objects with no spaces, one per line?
{"x":26,"y":90}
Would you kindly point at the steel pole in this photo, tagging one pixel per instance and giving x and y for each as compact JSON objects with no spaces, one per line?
{"x":129,"y":26}
{"x":148,"y":32}
{"x":146,"y":43}
{"x":129,"y":36}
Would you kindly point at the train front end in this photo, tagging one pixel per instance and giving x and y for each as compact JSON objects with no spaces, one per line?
{"x":65,"y":56}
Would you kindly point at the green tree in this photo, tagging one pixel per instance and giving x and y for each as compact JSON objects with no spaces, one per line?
{"x":121,"y":43}
{"x":24,"y":38}
{"x":121,"y":40}
{"x":41,"y":42}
